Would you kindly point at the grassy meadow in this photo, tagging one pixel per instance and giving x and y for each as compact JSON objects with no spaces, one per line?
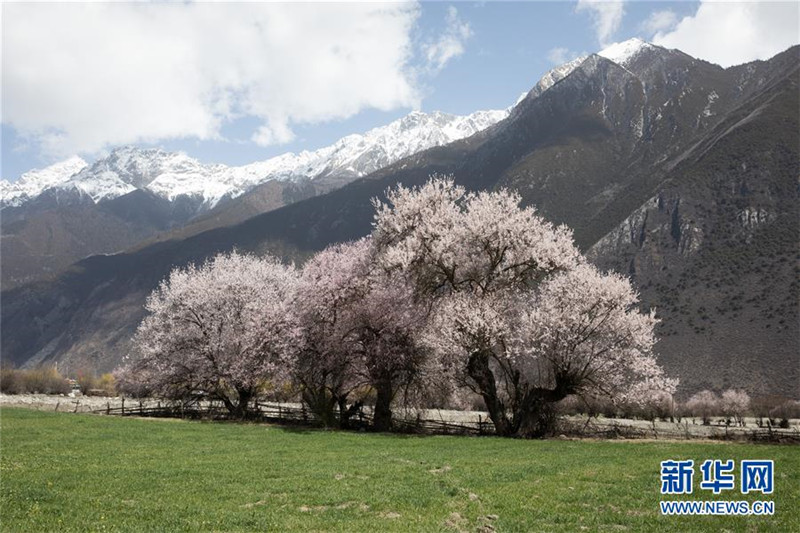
{"x":74,"y":472}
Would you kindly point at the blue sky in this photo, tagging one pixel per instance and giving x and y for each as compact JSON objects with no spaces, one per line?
{"x":235,"y":84}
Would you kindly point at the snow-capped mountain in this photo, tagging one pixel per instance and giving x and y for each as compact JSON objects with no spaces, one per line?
{"x":172,"y":175}
{"x":620,"y":53}
{"x":623,"y":53}
{"x":33,"y":182}
{"x":555,"y":75}
{"x":670,"y":170}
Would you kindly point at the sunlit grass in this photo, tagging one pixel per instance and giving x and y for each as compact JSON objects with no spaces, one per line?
{"x":66,"y":472}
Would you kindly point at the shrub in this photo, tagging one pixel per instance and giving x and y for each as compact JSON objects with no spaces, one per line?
{"x":11,"y":381}
{"x":88,"y":381}
{"x":41,"y":380}
{"x":107,"y":383}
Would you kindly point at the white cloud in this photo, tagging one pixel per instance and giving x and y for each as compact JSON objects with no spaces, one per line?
{"x":659,"y":21}
{"x":731,"y":33}
{"x":277,"y":132}
{"x":82,"y":77}
{"x":561,"y":55}
{"x":450,"y":44}
{"x":607,"y":17}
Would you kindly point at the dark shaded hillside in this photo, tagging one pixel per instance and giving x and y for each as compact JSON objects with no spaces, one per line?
{"x":266,"y":197}
{"x":42,"y":238}
{"x":672,"y":170}
{"x":717,"y":250}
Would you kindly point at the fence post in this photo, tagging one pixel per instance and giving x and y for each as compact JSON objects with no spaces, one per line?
{"x":57,"y":404}
{"x":305,"y":414}
{"x":141,"y":409}
{"x":480,"y":425}
{"x":108,"y":408}
{"x":123,"y":406}
{"x":76,"y":406}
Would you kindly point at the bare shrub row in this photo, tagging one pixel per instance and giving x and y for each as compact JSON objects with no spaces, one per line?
{"x":47,"y":379}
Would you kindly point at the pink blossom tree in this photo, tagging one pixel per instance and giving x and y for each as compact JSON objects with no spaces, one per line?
{"x":704,"y":404}
{"x":519,"y":316}
{"x":385,"y":327}
{"x":361,"y":328}
{"x":330,"y":284}
{"x":735,"y":404}
{"x":226,"y":328}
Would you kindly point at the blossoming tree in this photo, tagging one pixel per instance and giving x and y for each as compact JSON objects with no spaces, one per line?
{"x":329,"y":285}
{"x":519,"y":316}
{"x":735,"y":404}
{"x":361,"y":328}
{"x":225,"y":328}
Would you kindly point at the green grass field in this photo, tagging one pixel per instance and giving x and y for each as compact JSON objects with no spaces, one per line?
{"x":66,"y":472}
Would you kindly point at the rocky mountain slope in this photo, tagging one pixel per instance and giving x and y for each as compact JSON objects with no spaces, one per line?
{"x":670,"y":169}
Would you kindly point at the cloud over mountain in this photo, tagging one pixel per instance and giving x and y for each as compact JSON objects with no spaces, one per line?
{"x":732,"y":33}
{"x":83,"y":77}
{"x":606,"y":16}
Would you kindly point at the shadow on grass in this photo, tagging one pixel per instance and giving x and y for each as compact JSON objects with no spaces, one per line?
{"x":308,"y":428}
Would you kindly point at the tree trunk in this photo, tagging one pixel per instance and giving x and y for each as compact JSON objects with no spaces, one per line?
{"x":237,"y":407}
{"x":242,"y":405}
{"x":322,"y":405}
{"x":382,"y":419}
{"x":535,"y":419}
{"x":536,"y":415}
{"x":346,"y":413}
{"x":478,"y":369}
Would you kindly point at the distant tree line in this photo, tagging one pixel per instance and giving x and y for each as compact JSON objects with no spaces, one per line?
{"x":729,"y":408}
{"x":453,"y":291}
{"x":46,"y":379}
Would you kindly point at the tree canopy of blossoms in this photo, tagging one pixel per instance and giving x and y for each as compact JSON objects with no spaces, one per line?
{"x":224,"y":328}
{"x":735,"y":404}
{"x":469,"y":286}
{"x":519,"y":316}
{"x":361,"y":328}
{"x":330,"y":283}
{"x":704,"y":404}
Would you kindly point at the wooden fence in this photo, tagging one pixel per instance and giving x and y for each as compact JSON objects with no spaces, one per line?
{"x":292,"y":415}
{"x":416,"y":424}
{"x":614,"y":430}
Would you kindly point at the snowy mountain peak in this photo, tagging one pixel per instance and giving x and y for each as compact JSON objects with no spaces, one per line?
{"x":175,"y":174}
{"x":128,"y":168}
{"x":557,"y":74}
{"x":622,"y":53}
{"x":33,"y":182}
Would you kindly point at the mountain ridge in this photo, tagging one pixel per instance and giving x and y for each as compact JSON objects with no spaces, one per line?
{"x":173,"y":174}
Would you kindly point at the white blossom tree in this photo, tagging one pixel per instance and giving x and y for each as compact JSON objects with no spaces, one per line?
{"x":519,"y":316}
{"x":361,"y":328}
{"x":735,"y":404}
{"x":224,"y":328}
{"x":385,"y":327}
{"x":704,"y":404}
{"x":331,"y":283}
